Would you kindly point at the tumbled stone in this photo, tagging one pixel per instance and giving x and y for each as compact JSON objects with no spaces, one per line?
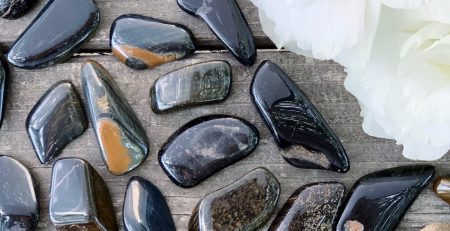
{"x":4,"y":78}
{"x":442,"y":188}
{"x":201,"y":83}
{"x":145,"y":208}
{"x":121,"y":136}
{"x":143,"y":42}
{"x":55,"y":34}
{"x":311,"y":207}
{"x":19,"y":209}
{"x":436,"y":227}
{"x":79,"y":198}
{"x":293,"y":120}
{"x":228,"y":23}
{"x":379,"y":200}
{"x":206,"y":145}
{"x":246,"y":204}
{"x":14,"y":9}
{"x":55,"y":120}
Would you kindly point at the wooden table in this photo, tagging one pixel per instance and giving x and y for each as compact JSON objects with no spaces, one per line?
{"x":321,"y":80}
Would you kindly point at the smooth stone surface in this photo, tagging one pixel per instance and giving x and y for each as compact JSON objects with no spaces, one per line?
{"x":201,"y":83}
{"x":145,"y":208}
{"x":311,"y":207}
{"x":437,"y":227}
{"x":206,"y":145}
{"x":442,"y":188}
{"x":79,"y":198}
{"x":55,"y":120}
{"x":121,"y":136}
{"x":4,"y":78}
{"x":143,"y":42}
{"x":14,"y":9}
{"x":19,"y":209}
{"x":293,"y":120}
{"x":379,"y":200}
{"x":55,"y":34}
{"x":228,"y":23}
{"x":246,"y":204}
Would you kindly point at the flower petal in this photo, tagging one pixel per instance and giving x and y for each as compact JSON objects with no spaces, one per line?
{"x":404,"y":4}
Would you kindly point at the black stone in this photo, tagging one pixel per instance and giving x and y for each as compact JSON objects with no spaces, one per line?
{"x":79,"y":198}
{"x":55,"y":120}
{"x":14,"y":9}
{"x":121,"y":136}
{"x":4,"y":78}
{"x":143,"y":42}
{"x":294,"y":120}
{"x":378,"y":201}
{"x":145,"y":208}
{"x":55,"y":34}
{"x":201,"y":83}
{"x":311,"y":207}
{"x":206,"y":145}
{"x":19,"y":208}
{"x":246,"y":204}
{"x":228,"y":23}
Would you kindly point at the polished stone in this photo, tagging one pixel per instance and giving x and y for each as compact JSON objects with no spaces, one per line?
{"x":4,"y":78}
{"x":228,"y":23}
{"x":55,"y":120}
{"x":442,"y":188}
{"x":143,"y":42}
{"x":79,"y":198}
{"x":14,"y":9}
{"x":311,"y":207}
{"x":379,"y":200}
{"x":437,"y":227}
{"x":201,"y":83}
{"x":19,"y":208}
{"x":55,"y":34}
{"x":121,"y":136}
{"x":145,"y":208}
{"x":206,"y":145}
{"x":246,"y":204}
{"x":294,"y":121}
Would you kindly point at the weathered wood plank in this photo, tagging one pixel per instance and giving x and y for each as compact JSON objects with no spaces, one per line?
{"x":321,"y":80}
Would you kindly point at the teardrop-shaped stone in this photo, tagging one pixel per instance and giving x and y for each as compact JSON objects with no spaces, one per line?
{"x":442,"y":188}
{"x":55,"y":34}
{"x":201,"y":83}
{"x":145,"y":208}
{"x":228,"y":23}
{"x":121,"y":136}
{"x":19,"y":209}
{"x":311,"y":207}
{"x":379,"y":200}
{"x":246,"y":204}
{"x":206,"y":145}
{"x":294,"y":120}
{"x":55,"y":120}
{"x":79,"y":198}
{"x":143,"y":42}
{"x":14,"y":9}
{"x":4,"y":78}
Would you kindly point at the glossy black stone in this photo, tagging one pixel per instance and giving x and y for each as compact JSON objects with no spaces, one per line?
{"x":121,"y":136}
{"x":79,"y":198}
{"x":4,"y":78}
{"x":19,"y":209}
{"x":311,"y":207}
{"x":206,"y":145}
{"x":294,"y":120}
{"x":145,"y":208}
{"x":143,"y":42}
{"x":378,"y":201}
{"x":55,"y":34}
{"x":13,"y":9}
{"x":55,"y":120}
{"x":201,"y":83}
{"x":228,"y":23}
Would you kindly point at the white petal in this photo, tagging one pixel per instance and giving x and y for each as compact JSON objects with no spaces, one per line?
{"x":404,"y":4}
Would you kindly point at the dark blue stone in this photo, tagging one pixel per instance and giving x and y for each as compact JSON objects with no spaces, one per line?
{"x":4,"y":78}
{"x":14,"y":9}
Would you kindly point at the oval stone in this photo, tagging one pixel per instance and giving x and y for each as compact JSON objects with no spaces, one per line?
{"x":206,"y":145}
{"x":14,"y":9}
{"x":4,"y":78}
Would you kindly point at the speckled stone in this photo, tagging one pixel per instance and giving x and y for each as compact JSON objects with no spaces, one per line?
{"x":143,"y":42}
{"x":55,"y":120}
{"x":246,"y":204}
{"x":206,"y":145}
{"x":79,"y":198}
{"x":442,"y":188}
{"x":19,"y":208}
{"x":197,"y":84}
{"x":311,"y":207}
{"x":14,"y":9}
